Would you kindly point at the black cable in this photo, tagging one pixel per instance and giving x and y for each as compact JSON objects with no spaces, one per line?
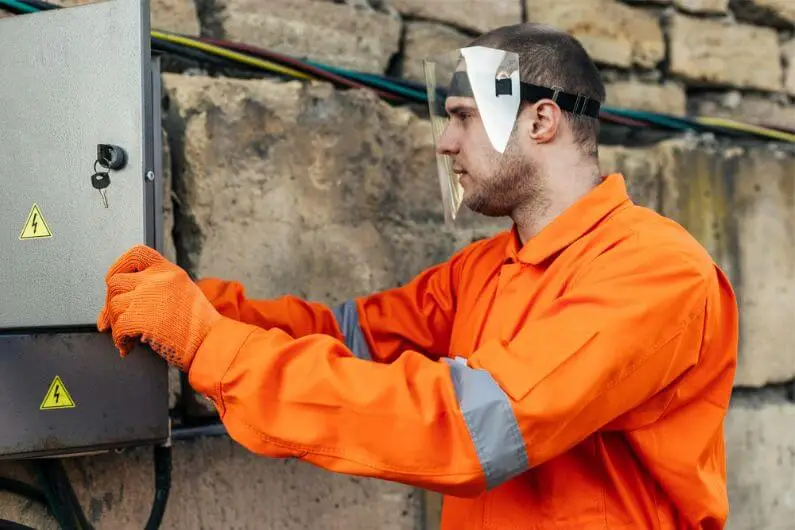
{"x":162,"y":456}
{"x":38,"y":4}
{"x":12,"y":10}
{"x":23,"y":489}
{"x":62,"y":499}
{"x":11,"y":525}
{"x":199,"y":56}
{"x":71,"y":499}
{"x":57,"y":506}
{"x":190,"y":433}
{"x":66,"y":508}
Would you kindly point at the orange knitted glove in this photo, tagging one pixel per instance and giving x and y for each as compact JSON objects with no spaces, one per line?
{"x":151,"y":299}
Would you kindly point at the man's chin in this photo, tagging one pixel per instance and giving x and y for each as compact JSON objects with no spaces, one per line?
{"x":474,"y":204}
{"x":481,"y":206}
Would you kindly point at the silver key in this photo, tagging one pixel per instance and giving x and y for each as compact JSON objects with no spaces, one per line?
{"x":101,"y":181}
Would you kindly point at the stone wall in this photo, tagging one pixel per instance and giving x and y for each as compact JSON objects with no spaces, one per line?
{"x":299,"y":188}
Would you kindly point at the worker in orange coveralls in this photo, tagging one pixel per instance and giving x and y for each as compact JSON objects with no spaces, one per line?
{"x":572,"y":372}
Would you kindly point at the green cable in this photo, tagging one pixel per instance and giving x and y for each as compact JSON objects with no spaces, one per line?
{"x":665,"y":120}
{"x":373,"y":80}
{"x":19,"y":6}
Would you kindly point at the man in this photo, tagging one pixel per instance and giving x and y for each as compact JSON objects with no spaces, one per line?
{"x":573,"y":372}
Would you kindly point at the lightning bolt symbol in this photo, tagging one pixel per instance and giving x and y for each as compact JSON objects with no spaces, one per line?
{"x":34,"y":223}
{"x":56,"y":393}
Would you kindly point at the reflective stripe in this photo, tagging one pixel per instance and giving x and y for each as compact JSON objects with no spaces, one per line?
{"x":491,"y":423}
{"x":347,"y":315}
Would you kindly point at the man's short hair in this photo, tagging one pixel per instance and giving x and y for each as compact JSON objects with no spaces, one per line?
{"x":550,"y":57}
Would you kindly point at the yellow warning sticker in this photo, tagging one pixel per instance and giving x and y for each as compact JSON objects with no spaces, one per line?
{"x":35,"y":226}
{"x":57,"y":397}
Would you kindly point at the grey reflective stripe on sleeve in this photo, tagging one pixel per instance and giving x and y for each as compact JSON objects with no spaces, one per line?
{"x":491,"y":422}
{"x":347,"y":315}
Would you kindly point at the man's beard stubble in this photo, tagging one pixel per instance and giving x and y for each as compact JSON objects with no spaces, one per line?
{"x":516,"y":185}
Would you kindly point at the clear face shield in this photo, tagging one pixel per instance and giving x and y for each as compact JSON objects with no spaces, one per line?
{"x":474,"y":96}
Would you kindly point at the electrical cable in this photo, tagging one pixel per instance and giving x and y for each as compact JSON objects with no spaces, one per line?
{"x":162,"y":457}
{"x":11,"y":525}
{"x":304,"y":66}
{"x":58,"y":497}
{"x":675,"y":123}
{"x":606,"y":116}
{"x":66,"y":508}
{"x":19,"y":7}
{"x":197,"y":55}
{"x":244,"y":59}
{"x":747,"y":128}
{"x":189,"y":433}
{"x":23,"y":489}
{"x":376,"y":81}
{"x":41,"y":5}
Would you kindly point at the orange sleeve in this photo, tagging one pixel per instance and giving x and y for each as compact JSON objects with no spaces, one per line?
{"x":291,"y":314}
{"x":626,"y":330}
{"x":377,"y":327}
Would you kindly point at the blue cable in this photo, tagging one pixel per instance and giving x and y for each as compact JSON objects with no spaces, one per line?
{"x":665,"y":120}
{"x":19,"y":6}
{"x":373,"y":80}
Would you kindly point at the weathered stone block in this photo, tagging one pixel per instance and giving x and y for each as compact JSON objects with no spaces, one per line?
{"x":788,"y":50}
{"x":477,"y":16}
{"x":713,"y":52}
{"x":334,"y":34}
{"x":761,"y":466}
{"x":302,"y":181}
{"x":641,"y":169}
{"x":738,"y":202}
{"x":425,"y":40}
{"x":703,"y":6}
{"x":613,"y":33}
{"x":668,"y":97}
{"x":778,"y":13}
{"x":179,"y":16}
{"x":745,"y":108}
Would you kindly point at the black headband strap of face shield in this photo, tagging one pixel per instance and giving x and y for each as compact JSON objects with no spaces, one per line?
{"x":576,"y":104}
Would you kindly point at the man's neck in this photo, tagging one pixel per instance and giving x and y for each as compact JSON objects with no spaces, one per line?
{"x":558,"y":195}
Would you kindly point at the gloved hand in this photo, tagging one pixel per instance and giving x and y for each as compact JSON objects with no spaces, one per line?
{"x":151,"y":299}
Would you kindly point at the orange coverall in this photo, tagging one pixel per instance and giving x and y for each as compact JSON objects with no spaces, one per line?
{"x":578,"y":382}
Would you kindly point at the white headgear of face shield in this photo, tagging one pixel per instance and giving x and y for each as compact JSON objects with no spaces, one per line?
{"x":489,"y":79}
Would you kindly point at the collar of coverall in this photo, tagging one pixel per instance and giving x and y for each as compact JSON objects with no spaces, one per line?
{"x":572,"y":223}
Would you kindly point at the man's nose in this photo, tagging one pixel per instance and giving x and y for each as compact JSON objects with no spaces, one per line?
{"x":448,"y":143}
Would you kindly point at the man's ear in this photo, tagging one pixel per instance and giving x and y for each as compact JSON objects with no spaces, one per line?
{"x":545,"y":118}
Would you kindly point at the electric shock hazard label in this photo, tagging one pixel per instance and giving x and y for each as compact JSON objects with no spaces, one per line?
{"x":35,"y":225}
{"x":57,"y":397}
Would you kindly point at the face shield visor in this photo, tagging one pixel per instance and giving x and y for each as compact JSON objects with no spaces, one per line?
{"x":474,"y":98}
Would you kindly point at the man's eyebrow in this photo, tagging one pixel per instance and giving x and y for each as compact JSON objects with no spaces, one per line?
{"x":459,"y":108}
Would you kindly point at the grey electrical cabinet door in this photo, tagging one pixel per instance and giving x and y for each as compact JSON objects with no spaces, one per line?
{"x":71,"y":80}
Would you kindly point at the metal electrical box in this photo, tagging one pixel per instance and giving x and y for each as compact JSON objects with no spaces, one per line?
{"x":76,"y":84}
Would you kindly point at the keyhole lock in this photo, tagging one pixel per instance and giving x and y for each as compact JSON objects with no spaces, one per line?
{"x":111,"y":156}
